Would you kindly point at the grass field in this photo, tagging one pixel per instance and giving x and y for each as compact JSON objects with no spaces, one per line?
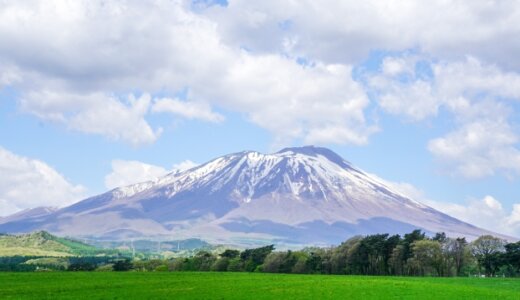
{"x":185,"y":285}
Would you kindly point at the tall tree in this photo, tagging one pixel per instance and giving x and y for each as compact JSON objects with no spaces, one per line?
{"x":340,"y":255}
{"x":253,"y":258}
{"x":512,"y":256}
{"x":406,"y":250}
{"x":486,"y":249}
{"x":456,"y":251}
{"x":427,"y":257}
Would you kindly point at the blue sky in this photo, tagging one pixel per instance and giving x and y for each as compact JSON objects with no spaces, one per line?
{"x":95,"y":95}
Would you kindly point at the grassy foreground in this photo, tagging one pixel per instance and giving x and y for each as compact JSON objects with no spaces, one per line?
{"x":186,"y":285}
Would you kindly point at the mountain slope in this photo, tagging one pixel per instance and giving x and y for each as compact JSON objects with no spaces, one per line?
{"x":306,"y":195}
{"x":28,"y":213}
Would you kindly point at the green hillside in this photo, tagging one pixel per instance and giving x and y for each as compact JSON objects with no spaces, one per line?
{"x":42,"y":243}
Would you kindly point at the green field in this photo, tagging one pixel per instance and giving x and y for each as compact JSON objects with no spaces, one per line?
{"x":186,"y":285}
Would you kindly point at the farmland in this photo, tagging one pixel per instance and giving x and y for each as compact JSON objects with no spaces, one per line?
{"x":209,"y":285}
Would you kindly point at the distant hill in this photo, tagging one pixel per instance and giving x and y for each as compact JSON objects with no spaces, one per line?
{"x":153,"y":246}
{"x":42,"y":243}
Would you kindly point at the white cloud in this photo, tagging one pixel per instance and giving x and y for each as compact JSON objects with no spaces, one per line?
{"x":416,"y":99}
{"x":28,"y":183}
{"x":346,"y":31}
{"x":471,"y":77}
{"x":97,"y":49}
{"x":8,"y":75}
{"x":402,"y":88}
{"x":73,"y":58}
{"x":392,"y":66}
{"x":187,"y":109}
{"x":479,"y":149}
{"x":487,"y":213}
{"x":407,"y":189}
{"x":127,"y":172}
{"x":513,"y":219}
{"x":95,"y":113}
{"x":319,"y":104}
{"x":70,"y":61}
{"x":478,"y":96}
{"x":184,"y":165}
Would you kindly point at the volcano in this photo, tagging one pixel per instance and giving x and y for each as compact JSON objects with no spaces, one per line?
{"x":306,"y":195}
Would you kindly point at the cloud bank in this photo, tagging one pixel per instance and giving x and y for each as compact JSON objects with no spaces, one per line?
{"x":28,"y":183}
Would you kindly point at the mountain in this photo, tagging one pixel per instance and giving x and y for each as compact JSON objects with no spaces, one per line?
{"x":42,"y":243}
{"x":28,"y":213}
{"x":306,"y":195}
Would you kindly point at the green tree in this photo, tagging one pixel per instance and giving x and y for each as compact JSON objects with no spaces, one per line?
{"x":339,"y":256}
{"x":301,"y":267}
{"x":457,"y":254}
{"x":122,"y":265}
{"x":314,"y":262}
{"x":235,"y":265}
{"x":221,"y":264}
{"x":273,"y":262}
{"x":371,"y":255}
{"x":486,"y":250}
{"x":203,"y":261}
{"x":427,"y":257}
{"x":229,"y":253}
{"x":512,"y":256}
{"x":253,"y":258}
{"x":397,"y":262}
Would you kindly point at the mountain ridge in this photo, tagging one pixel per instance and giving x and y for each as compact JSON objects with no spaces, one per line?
{"x":300,"y":195}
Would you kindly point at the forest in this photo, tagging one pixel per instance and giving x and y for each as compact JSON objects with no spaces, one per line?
{"x":413,"y":254}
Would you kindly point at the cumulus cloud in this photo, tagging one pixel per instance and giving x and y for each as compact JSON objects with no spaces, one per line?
{"x":273,"y":62}
{"x":188,"y":110}
{"x":487,"y":213}
{"x":8,"y":75}
{"x":27,"y":183}
{"x":95,"y":113}
{"x":97,"y":49}
{"x":400,"y":90}
{"x":318,"y":104}
{"x":479,"y":98}
{"x":75,"y":59}
{"x":184,"y":165}
{"x":127,"y":172}
{"x":479,"y":149}
{"x":266,"y":26}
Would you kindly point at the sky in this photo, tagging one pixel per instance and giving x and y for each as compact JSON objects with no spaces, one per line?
{"x":425,"y":94}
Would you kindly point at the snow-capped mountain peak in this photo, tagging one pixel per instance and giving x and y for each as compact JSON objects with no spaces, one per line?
{"x":299,"y":195}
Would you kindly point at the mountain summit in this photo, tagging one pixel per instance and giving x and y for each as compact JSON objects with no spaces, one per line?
{"x":304,"y":195}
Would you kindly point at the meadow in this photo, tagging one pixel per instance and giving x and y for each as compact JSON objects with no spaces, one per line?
{"x":209,"y":285}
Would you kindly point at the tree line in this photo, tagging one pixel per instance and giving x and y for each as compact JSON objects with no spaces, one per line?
{"x":413,"y":254}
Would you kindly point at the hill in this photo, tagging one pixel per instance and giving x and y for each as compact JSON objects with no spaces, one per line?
{"x":43,"y":243}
